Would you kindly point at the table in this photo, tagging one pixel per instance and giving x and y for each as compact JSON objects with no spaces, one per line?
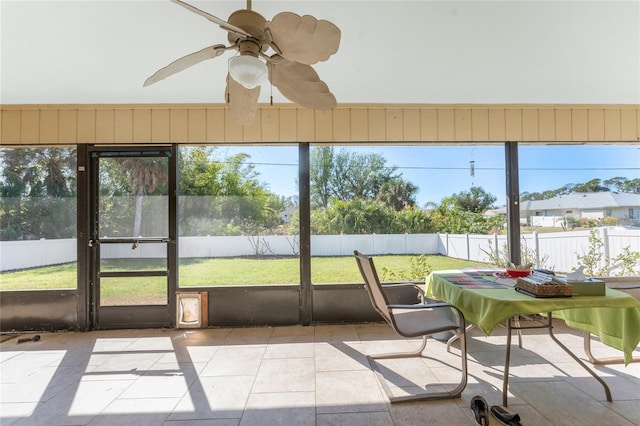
{"x":485,"y":303}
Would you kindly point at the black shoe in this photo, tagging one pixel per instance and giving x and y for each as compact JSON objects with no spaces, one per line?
{"x":505,"y":417}
{"x":479,"y":407}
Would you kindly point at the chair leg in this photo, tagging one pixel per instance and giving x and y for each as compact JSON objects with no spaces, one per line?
{"x":423,"y":396}
{"x":602,"y":361}
{"x":456,"y":337}
{"x":516,"y":320}
{"x":409,"y":354}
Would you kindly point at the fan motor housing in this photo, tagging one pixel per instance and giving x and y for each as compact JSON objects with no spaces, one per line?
{"x":250,"y":21}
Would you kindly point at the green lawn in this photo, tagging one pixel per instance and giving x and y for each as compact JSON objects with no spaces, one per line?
{"x":214,"y":272}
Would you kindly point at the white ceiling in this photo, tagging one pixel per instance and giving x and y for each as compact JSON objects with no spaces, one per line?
{"x":391,"y":51}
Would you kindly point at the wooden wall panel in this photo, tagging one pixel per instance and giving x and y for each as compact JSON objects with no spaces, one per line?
{"x":563,"y":124}
{"x":530,"y":120}
{"x":462,"y":123}
{"x":197,"y":125}
{"x":287,"y":125}
{"x":306,"y":125}
{"x":105,"y":124}
{"x":546,"y":124}
{"x":232,"y":130}
{"x":200,"y":123}
{"x":141,"y":125}
{"x":324,"y":126}
{"x":10,"y":126}
{"x":446,"y":124}
{"x":629,"y":124}
{"x":377,"y":120}
{"x":87,"y":125}
{"x":341,"y":124}
{"x":612,"y":125}
{"x":429,"y":124}
{"x":497,"y":126}
{"x":215,"y":125}
{"x":411,"y":124}
{"x":579,"y":124}
{"x":251,"y":133}
{"x":123,"y":129}
{"x":160,"y":125}
{"x":513,"y":124}
{"x":393,"y":124}
{"x":359,"y":124}
{"x":68,"y":125}
{"x":480,"y":124}
{"x":596,"y":124}
{"x":270,"y":125}
{"x":30,"y":126}
{"x":178,"y":125}
{"x":49,"y":125}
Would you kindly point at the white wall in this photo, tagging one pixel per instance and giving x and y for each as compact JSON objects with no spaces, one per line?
{"x":29,"y":254}
{"x":560,"y":248}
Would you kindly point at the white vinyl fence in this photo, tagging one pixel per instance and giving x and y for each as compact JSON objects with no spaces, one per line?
{"x":556,"y":251}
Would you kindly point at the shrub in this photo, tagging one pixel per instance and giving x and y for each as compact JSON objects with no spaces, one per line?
{"x":587,"y":222}
{"x":419,"y":268}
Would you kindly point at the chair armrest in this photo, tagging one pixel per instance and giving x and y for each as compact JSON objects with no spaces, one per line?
{"x":458,"y":312}
{"x":418,"y":286}
{"x":408,"y":284}
{"x":422,"y":306}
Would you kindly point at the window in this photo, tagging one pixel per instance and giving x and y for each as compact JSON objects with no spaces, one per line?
{"x":392,"y":201}
{"x":38,"y":218}
{"x":568,"y":179}
{"x":237,"y":215}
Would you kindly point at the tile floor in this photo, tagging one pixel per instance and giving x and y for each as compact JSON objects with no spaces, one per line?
{"x":294,"y":375}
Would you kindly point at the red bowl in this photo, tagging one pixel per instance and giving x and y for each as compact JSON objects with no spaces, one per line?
{"x":515,"y":273}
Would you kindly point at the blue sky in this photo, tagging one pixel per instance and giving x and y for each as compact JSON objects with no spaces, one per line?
{"x":440,"y":171}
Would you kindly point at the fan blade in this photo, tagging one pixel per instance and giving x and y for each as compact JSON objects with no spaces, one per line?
{"x":304,"y":39}
{"x":243,"y":102}
{"x":300,"y":83}
{"x":222,"y":23}
{"x":185,"y":62}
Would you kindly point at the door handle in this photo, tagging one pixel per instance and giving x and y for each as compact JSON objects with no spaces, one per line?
{"x":91,"y":243}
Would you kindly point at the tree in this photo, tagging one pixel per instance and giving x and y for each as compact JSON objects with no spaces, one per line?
{"x":619,"y":184}
{"x":476,"y":200}
{"x":224,"y":197}
{"x":348,"y":175}
{"x":594,"y":185}
{"x":356,"y":216}
{"x":398,"y":194}
{"x":38,"y":190}
{"x":413,"y":220}
{"x":463,"y":213}
{"x":145,"y":173}
{"x":321,"y":160}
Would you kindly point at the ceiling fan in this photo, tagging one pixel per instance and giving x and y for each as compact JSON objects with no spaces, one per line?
{"x":296,"y":42}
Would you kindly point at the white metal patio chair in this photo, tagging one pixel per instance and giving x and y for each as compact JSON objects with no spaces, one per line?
{"x":416,"y":320}
{"x":633,"y":288}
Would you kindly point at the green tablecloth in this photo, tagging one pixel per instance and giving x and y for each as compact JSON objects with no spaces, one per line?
{"x":615,"y":318}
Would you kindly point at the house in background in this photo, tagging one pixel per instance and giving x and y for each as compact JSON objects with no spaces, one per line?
{"x":582,"y":205}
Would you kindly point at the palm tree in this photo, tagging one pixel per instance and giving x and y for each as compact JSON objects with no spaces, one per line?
{"x":146,"y":174}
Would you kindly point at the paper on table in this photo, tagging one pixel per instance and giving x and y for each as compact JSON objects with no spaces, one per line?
{"x":503,"y":279}
{"x":507,"y":282}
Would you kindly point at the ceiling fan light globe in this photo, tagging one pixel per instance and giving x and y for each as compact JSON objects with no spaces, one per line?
{"x":248,"y":70}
